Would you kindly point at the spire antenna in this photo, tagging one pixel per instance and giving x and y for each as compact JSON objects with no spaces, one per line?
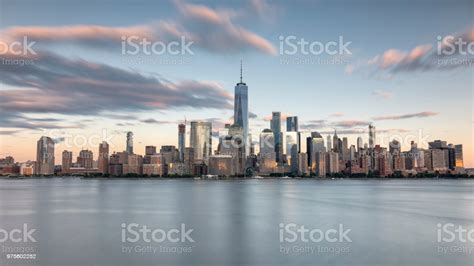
{"x":241,"y":71}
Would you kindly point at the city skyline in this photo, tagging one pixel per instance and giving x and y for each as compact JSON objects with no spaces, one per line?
{"x":386,"y":81}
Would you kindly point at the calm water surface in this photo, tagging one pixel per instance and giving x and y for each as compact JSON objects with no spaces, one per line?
{"x":392,"y":222}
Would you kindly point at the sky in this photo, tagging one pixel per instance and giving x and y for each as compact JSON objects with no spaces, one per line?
{"x":81,"y":83}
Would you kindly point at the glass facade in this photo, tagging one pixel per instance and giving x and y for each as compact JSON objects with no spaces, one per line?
{"x":201,"y":139}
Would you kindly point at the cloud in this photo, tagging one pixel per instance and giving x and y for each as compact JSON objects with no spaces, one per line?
{"x":426,"y":57}
{"x":405,"y":116}
{"x":9,"y":132}
{"x":213,"y":30}
{"x":154,"y":121}
{"x":382,"y":94}
{"x":264,"y":10}
{"x":10,"y":119}
{"x":55,"y":84}
{"x":216,"y":31}
{"x":337,"y":114}
{"x":313,"y":124}
{"x":349,"y":123}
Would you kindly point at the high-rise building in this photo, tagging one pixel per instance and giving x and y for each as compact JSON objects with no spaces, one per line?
{"x":352,"y":153}
{"x":329,"y":143}
{"x":292,"y":142}
{"x":303,"y":136}
{"x":241,"y":114}
{"x":293,"y":158}
{"x":267,"y":142}
{"x":332,"y":162}
{"x":267,"y":156}
{"x":181,"y":141}
{"x":394,"y":147}
{"x":292,"y":124}
{"x":275,"y":126}
{"x":315,"y":144}
{"x":189,"y":160}
{"x":85,"y":159}
{"x":372,"y":141}
{"x":129,"y":143}
{"x":201,"y":139}
{"x":232,"y":144}
{"x":103,"y":160}
{"x":438,"y":162}
{"x":66,"y":161}
{"x":134,"y":165}
{"x":170,"y":154}
{"x":335,"y":143}
{"x":44,"y":156}
{"x":345,"y":149}
{"x":459,"y":162}
{"x":319,"y":164}
{"x":303,"y":164}
{"x":360,"y":144}
{"x":150,"y":150}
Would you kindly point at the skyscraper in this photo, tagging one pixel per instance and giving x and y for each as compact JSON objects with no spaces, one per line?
{"x":292,"y":124}
{"x":267,"y":142}
{"x":181,"y":141}
{"x":292,"y":142}
{"x":335,"y":142}
{"x":85,"y":159}
{"x":45,"y":156}
{"x":129,"y":143}
{"x":371,"y":137}
{"x":458,"y":155}
{"x":275,"y":126}
{"x":201,"y":139}
{"x":66,"y":161}
{"x":103,"y":160}
{"x":360,"y":144}
{"x":328,"y":142}
{"x":241,"y":114}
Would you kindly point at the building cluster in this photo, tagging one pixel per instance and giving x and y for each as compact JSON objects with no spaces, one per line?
{"x":290,"y":152}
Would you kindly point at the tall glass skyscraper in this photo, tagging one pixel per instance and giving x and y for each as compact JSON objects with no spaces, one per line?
{"x":129,"y":143}
{"x":45,"y":156}
{"x":181,"y":141}
{"x":201,"y":139}
{"x":241,"y":110}
{"x":292,"y":124}
{"x":276,"y":128}
{"x":371,"y":136}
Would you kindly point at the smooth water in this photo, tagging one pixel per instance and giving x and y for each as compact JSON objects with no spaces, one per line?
{"x":391,"y":222}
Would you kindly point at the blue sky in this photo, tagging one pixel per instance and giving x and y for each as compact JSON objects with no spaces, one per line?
{"x":407,"y":94}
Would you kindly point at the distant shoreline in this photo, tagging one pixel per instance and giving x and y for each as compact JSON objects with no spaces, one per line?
{"x":233,"y":178}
